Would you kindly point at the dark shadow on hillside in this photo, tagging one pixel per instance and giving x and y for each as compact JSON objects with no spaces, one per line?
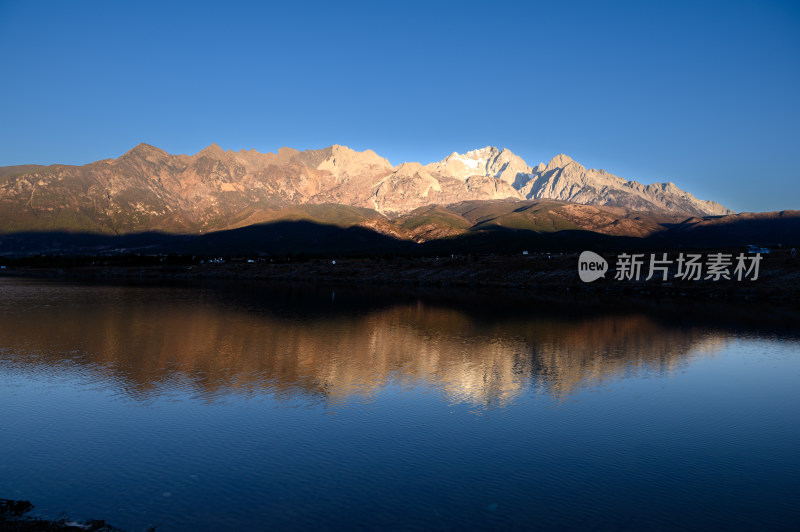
{"x":502,"y":240}
{"x":316,"y":239}
{"x":278,"y":238}
{"x":781,"y":228}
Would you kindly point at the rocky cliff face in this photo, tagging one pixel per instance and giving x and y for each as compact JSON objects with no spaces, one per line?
{"x":150,"y":189}
{"x":490,"y":173}
{"x":567,"y":180}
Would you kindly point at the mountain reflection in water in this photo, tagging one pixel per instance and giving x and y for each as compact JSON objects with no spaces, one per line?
{"x":325,"y":345}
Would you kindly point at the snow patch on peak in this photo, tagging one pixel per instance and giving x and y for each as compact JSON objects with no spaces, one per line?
{"x":481,"y":153}
{"x":472,"y":163}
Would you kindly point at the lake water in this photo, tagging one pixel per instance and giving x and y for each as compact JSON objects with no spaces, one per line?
{"x":250,"y":407}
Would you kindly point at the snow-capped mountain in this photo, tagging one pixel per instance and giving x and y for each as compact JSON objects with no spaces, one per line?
{"x":150,"y":189}
{"x":492,"y":173}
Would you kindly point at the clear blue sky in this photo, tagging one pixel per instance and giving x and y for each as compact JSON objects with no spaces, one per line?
{"x":704,"y":94}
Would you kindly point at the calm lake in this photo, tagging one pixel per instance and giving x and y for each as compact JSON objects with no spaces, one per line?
{"x":250,"y":407}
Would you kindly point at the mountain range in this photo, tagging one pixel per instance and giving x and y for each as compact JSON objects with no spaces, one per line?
{"x":148,"y":189}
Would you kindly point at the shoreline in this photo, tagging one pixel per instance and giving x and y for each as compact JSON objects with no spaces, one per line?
{"x":548,"y":274}
{"x":13,"y":517}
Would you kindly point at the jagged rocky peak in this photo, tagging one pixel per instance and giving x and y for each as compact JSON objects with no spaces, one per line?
{"x":670,"y":187}
{"x":251,"y":160}
{"x":559,"y":161}
{"x":286,"y":152}
{"x":217,"y":186}
{"x":256,"y":160}
{"x":344,"y":160}
{"x":145,"y":152}
{"x":485,"y":162}
{"x":143,"y":149}
{"x":407,"y":168}
{"x":509,"y":167}
{"x":471,"y":158}
{"x":213,"y":150}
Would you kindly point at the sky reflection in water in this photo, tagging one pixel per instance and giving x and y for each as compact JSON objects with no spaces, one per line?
{"x":225,"y":406}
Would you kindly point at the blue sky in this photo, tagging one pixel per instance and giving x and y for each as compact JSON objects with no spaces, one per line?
{"x":704,"y":94}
